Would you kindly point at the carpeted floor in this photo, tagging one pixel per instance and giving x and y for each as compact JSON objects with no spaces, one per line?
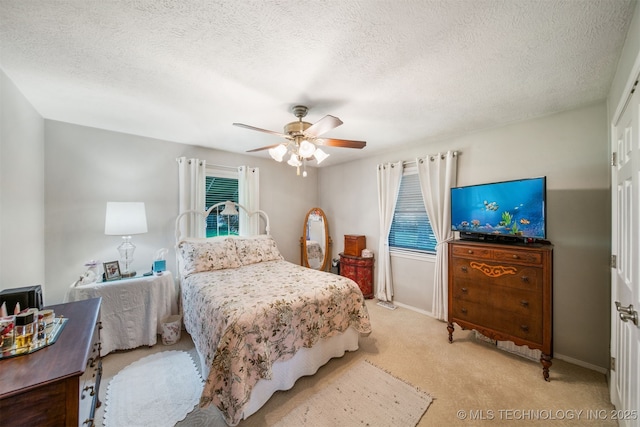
{"x":472,"y":382}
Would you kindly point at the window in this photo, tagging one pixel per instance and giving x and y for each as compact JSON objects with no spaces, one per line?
{"x":411,"y":229}
{"x":220,"y":189}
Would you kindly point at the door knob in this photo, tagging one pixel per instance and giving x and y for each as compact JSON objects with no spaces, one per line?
{"x":627,"y":313}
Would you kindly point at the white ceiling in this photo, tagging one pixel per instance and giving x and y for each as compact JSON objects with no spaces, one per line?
{"x":395,"y":71}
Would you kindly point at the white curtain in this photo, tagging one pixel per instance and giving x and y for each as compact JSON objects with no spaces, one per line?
{"x":437,"y":175}
{"x":191,"y":193}
{"x":389,"y":176}
{"x":249,"y":197}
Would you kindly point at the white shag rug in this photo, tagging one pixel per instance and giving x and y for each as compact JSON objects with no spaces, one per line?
{"x":364,"y":395}
{"x":158,"y":390}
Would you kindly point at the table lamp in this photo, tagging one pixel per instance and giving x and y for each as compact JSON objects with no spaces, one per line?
{"x":125,"y":219}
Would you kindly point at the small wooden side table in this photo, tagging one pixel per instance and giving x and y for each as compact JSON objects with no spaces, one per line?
{"x":360,"y":270}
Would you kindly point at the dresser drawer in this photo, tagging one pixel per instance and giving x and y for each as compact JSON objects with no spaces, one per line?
{"x":518,"y":256}
{"x":518,"y":301}
{"x":472,"y":252}
{"x":512,"y":276}
{"x":517,"y":325}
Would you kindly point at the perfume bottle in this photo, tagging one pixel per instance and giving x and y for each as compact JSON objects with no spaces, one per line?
{"x":7,"y":326}
{"x":42,"y":327}
{"x":24,"y":331}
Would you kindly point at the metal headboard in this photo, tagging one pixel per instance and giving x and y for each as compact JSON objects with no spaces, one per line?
{"x":205,"y":214}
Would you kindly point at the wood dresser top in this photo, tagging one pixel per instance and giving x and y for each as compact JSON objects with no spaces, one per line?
{"x":65,"y":358}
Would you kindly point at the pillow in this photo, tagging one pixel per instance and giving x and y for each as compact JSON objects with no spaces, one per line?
{"x":256,"y":249}
{"x":209,"y":255}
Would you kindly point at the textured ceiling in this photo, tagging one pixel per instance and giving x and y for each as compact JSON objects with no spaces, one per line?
{"x":396,"y":72}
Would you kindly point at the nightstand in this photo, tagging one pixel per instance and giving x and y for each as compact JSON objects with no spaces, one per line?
{"x":132,"y":309}
{"x":360,"y":270}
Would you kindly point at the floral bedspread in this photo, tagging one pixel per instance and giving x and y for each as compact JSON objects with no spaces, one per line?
{"x":244,"y":319}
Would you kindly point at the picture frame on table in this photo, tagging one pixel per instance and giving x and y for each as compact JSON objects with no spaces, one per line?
{"x":111,"y":270}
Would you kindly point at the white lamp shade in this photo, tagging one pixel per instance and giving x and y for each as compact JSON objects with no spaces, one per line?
{"x":306,"y":149}
{"x":320,"y":155}
{"x":229,"y":208}
{"x":277,"y":153}
{"x":125,"y":219}
{"x":294,"y":161}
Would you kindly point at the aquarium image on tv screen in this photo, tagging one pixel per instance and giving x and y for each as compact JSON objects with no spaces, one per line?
{"x":509,"y":208}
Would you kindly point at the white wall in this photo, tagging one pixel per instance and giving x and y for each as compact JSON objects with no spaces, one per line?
{"x":21,"y":189}
{"x":86,"y":167}
{"x":570,"y":149}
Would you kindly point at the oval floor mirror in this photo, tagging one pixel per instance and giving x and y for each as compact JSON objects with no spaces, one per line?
{"x":315,"y":243}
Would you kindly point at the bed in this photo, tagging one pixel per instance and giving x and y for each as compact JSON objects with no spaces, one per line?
{"x":259,"y":322}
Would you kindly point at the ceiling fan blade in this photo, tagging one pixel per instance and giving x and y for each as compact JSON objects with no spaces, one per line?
{"x":345,"y":143}
{"x":264,"y":148}
{"x":323,"y":125}
{"x":260,"y":130}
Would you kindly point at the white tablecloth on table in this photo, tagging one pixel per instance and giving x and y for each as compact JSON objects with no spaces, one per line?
{"x":132,"y":309}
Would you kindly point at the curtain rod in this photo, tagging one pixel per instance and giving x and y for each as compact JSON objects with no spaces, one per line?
{"x":209,"y":164}
{"x":413,"y":162}
{"x":223,"y":166}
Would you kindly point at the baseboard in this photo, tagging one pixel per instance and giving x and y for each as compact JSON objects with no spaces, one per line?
{"x":417,"y":310}
{"x":573,"y":361}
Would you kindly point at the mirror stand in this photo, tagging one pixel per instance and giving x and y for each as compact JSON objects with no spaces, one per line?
{"x":315,"y":243}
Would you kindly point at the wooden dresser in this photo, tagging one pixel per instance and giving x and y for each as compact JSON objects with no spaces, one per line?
{"x":503,"y":291}
{"x":360,"y":270}
{"x":57,"y":385}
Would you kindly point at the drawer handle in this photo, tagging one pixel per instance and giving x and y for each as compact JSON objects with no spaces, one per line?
{"x":524,"y":328}
{"x":464,"y":269}
{"x":464,"y":290}
{"x":89,"y":387}
{"x":515,"y":256}
{"x":525,"y":279}
{"x":463,"y":310}
{"x":524,"y":303}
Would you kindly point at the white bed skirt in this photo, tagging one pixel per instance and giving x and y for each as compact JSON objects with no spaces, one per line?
{"x":306,"y":361}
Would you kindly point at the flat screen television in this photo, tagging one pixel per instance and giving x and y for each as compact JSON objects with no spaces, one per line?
{"x":503,"y":211}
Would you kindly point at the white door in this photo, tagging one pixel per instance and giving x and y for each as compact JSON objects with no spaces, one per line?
{"x":625,"y":292}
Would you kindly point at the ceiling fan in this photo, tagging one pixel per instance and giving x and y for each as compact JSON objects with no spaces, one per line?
{"x":303,"y":139}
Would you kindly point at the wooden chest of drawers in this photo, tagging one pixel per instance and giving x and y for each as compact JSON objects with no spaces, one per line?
{"x":504,"y":292}
{"x":59,"y":384}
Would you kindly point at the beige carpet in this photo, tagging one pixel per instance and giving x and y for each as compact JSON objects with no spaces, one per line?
{"x":364,"y":395}
{"x":464,"y":378}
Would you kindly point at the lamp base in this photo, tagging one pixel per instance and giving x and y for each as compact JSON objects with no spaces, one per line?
{"x":128,"y":274}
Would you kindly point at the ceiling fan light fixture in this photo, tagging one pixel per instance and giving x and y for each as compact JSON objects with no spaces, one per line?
{"x":303,"y":139}
{"x":306,"y":149}
{"x":294,"y":161}
{"x":277,"y":153}
{"x":320,"y":155}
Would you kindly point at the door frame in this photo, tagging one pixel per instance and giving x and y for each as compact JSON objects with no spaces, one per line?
{"x":620,"y":105}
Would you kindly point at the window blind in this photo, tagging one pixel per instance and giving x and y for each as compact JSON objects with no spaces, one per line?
{"x":411,"y":228}
{"x":219,"y":190}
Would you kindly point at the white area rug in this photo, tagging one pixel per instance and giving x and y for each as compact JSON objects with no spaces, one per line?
{"x":364,"y":395}
{"x":158,"y":390}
